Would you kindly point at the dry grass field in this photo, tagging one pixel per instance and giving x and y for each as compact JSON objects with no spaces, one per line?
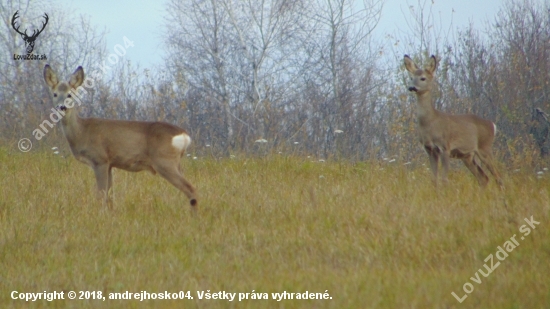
{"x":370,"y":234}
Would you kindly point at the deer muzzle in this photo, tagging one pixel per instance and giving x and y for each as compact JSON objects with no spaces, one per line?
{"x":412,"y":88}
{"x":61,"y":107}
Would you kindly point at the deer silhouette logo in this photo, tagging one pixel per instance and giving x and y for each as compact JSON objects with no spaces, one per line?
{"x":29,"y":40}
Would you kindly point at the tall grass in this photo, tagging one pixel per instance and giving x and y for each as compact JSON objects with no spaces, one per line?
{"x":374,"y":235}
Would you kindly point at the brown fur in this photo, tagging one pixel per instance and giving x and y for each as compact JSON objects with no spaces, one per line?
{"x":104,"y":144}
{"x":466,"y":137}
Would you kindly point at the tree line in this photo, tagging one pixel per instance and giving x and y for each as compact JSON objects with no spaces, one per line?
{"x":307,"y":76}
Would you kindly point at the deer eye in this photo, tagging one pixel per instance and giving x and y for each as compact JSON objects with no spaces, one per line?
{"x":55,"y":95}
{"x":69,"y":96}
{"x":423,"y":79}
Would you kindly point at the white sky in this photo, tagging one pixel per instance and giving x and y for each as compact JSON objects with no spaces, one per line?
{"x":461,"y":12}
{"x":142,"y":21}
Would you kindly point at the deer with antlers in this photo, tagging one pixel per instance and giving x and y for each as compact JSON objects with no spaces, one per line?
{"x":105,"y":144}
{"x":466,"y":137}
{"x":29,"y":40}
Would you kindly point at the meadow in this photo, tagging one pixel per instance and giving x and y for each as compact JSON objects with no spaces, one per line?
{"x":370,"y":234}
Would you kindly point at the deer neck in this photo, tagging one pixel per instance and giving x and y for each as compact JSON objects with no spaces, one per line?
{"x":425,"y":108}
{"x":72,"y":124}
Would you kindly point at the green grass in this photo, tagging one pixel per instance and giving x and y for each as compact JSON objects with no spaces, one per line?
{"x":372,"y":234}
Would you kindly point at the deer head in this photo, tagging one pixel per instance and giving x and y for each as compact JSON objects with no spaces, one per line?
{"x":29,"y":40}
{"x":422,"y":79}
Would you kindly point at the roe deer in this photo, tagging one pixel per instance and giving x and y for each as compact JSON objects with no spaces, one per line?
{"x":129,"y":145}
{"x":466,"y":137}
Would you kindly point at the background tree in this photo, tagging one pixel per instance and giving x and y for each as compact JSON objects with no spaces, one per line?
{"x":67,"y":41}
{"x":296,"y":73}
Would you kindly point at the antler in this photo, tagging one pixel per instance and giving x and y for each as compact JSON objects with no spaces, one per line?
{"x":34,"y":33}
{"x":13,"y":24}
{"x":43,"y":26}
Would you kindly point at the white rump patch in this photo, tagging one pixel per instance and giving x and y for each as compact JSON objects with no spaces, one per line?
{"x":495,"y":127}
{"x":181,"y":142}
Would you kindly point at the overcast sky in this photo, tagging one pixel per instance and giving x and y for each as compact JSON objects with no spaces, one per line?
{"x":143,"y":21}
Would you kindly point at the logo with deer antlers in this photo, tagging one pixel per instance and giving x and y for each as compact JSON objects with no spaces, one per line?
{"x":29,"y":40}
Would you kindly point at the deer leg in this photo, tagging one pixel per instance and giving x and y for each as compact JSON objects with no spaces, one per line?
{"x":173,"y":175}
{"x":434,"y":161}
{"x":110,"y":182}
{"x":445,"y":155}
{"x":103,"y":177}
{"x":474,"y":167}
{"x":486,"y":158}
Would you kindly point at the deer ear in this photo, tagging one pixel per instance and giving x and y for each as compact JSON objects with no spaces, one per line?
{"x":432,"y":64}
{"x":50,"y":77}
{"x":77,"y":78}
{"x":410,"y":65}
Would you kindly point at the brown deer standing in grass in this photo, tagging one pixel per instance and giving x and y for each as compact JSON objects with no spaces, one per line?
{"x":466,"y":137}
{"x":129,"y":145}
